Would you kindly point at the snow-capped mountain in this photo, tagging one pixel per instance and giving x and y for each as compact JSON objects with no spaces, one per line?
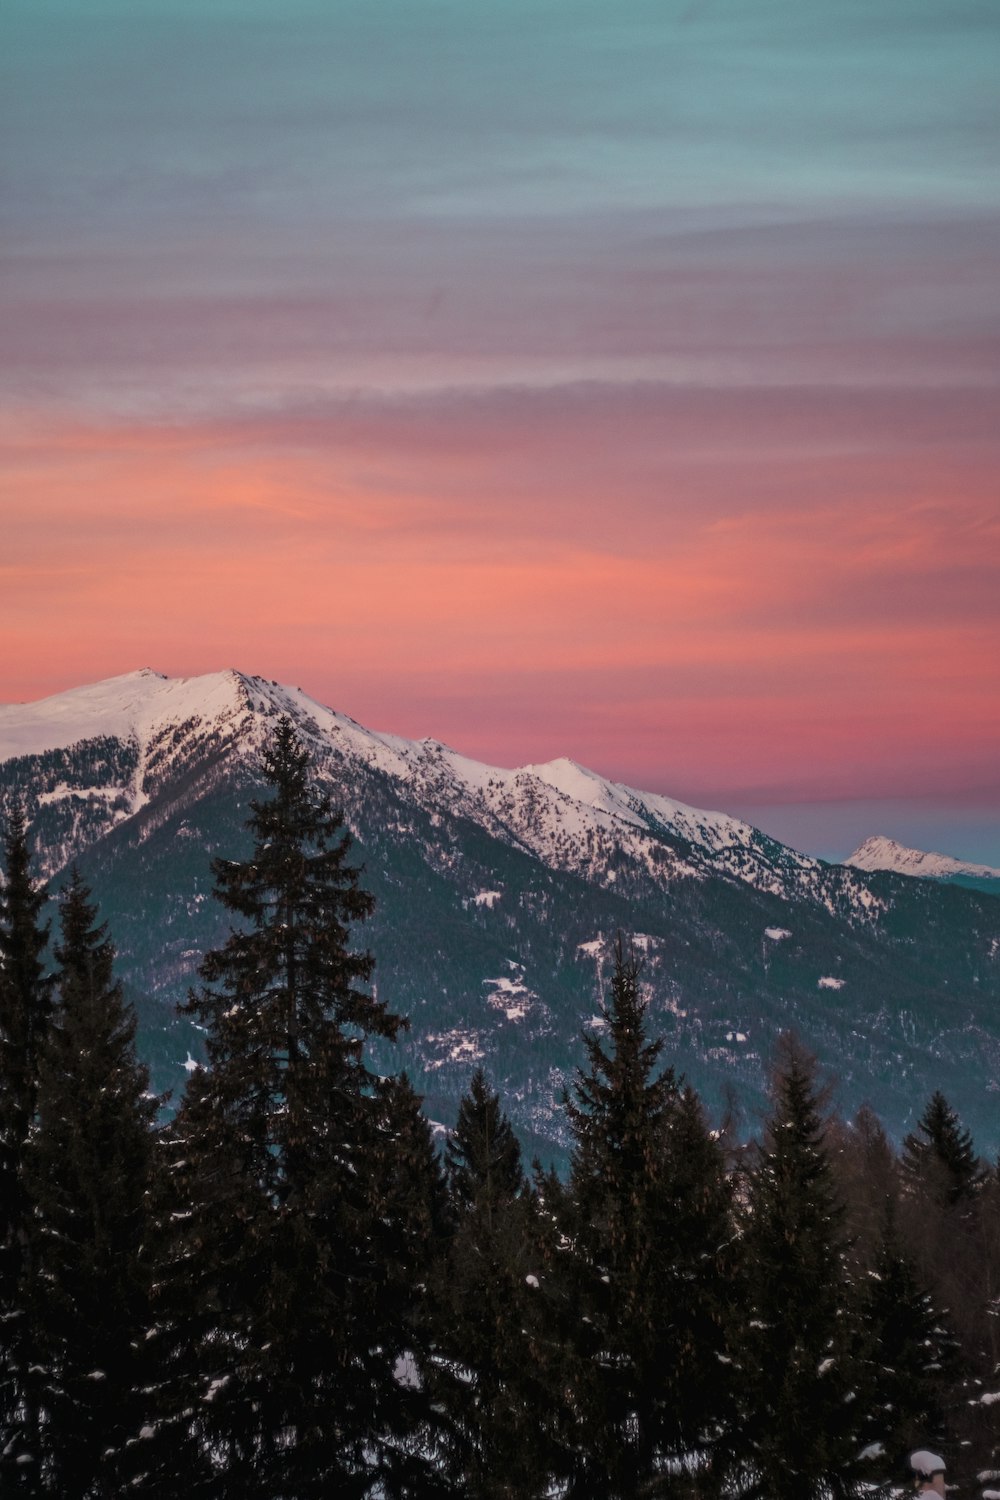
{"x":498,"y":894}
{"x":881,"y":853}
{"x":559,"y":812}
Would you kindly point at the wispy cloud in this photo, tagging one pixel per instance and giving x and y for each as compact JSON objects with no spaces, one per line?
{"x":620,"y":384}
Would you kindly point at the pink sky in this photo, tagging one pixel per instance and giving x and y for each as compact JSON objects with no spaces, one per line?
{"x":768,"y":595}
{"x":625,"y":390}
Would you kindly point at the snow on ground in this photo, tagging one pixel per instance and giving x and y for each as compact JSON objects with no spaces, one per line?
{"x":456,"y":1046}
{"x":62,"y":791}
{"x":510,"y":994}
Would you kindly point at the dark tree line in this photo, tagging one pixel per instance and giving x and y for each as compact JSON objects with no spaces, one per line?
{"x":287,"y":1291}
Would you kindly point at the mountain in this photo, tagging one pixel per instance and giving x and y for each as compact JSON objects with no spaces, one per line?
{"x":499,"y":893}
{"x":880,"y":853}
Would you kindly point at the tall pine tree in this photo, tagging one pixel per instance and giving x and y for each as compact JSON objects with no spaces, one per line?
{"x":25,"y":1003}
{"x":409,"y":1217}
{"x":86,"y":1172}
{"x":801,"y":1430}
{"x":295,"y":1387}
{"x":942,"y":1221}
{"x":908,"y":1361}
{"x":649,"y":1228}
{"x":490,"y":1309}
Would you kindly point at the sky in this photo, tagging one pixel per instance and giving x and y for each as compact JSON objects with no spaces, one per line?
{"x":549,"y":378}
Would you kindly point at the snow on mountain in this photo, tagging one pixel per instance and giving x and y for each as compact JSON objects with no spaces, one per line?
{"x":568,"y":817}
{"x":119,"y":707}
{"x":880,"y":853}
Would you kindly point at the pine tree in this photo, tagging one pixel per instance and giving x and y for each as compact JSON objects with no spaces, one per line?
{"x":944,"y":1211}
{"x":868,"y":1183}
{"x":649,"y":1229}
{"x":483,"y":1154}
{"x":700,"y":1292}
{"x":410,"y":1218}
{"x":198,"y":1208}
{"x":295,"y":1371}
{"x":86,"y":1174}
{"x":800,"y":1431}
{"x":908,"y":1360}
{"x":489,"y":1308}
{"x":939,"y":1160}
{"x":25,"y":1003}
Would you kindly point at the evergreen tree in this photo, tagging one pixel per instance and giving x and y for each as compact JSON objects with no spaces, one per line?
{"x":410,"y":1217}
{"x":907,"y":1352}
{"x":868,"y":1184}
{"x":984,"y":1433}
{"x":944,"y":1212}
{"x":25,"y":1003}
{"x":198,"y":1208}
{"x":489,"y":1308}
{"x":649,"y":1227}
{"x":939,"y":1160}
{"x":908,"y":1362}
{"x":483,"y":1154}
{"x":296,"y":1366}
{"x":800,"y":1425}
{"x":700,"y":1295}
{"x":86,"y":1173}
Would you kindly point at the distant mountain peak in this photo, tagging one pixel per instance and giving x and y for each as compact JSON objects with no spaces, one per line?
{"x":882,"y":853}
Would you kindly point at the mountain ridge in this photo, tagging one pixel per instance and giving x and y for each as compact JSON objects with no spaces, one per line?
{"x":127,"y":705}
{"x":498,"y":893}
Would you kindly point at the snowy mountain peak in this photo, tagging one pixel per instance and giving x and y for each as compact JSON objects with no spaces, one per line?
{"x":586,"y":787}
{"x":126,"y":707}
{"x":881,"y":853}
{"x":116,"y":748}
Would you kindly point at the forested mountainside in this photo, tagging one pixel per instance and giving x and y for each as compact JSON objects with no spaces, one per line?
{"x":498,"y":895}
{"x":289,"y":1290}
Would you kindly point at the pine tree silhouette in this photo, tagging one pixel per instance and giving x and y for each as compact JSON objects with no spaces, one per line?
{"x":25,"y":1005}
{"x":646,"y":1206}
{"x":295,"y":1387}
{"x":490,"y":1303}
{"x":800,"y":1429}
{"x":87,"y":1171}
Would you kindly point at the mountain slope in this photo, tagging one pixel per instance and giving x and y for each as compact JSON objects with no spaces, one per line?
{"x":499,"y":892}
